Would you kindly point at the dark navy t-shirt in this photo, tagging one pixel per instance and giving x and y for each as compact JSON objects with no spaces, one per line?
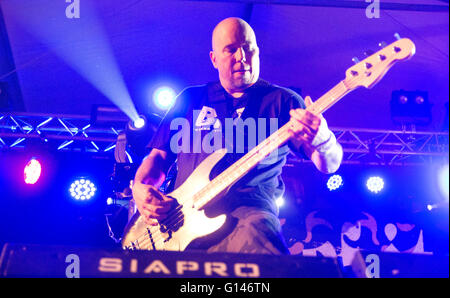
{"x":202,"y":112}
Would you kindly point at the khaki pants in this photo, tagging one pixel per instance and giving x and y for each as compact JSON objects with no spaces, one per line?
{"x":247,"y":230}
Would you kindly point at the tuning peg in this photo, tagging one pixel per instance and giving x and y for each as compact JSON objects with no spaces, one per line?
{"x":355,"y":60}
{"x":397,"y":36}
{"x":382,"y":44}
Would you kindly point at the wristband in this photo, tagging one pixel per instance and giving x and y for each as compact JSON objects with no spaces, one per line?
{"x":324,"y":139}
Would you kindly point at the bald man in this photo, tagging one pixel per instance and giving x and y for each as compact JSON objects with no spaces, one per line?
{"x":235,"y":55}
{"x":252,"y":224}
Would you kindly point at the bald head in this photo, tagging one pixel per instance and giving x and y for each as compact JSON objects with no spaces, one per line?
{"x":235,"y":55}
{"x":231,"y":26}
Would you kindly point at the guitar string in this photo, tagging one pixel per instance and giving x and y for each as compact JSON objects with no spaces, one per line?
{"x":169,"y":220}
{"x":318,"y":104}
{"x":156,"y":229}
{"x":158,"y":236}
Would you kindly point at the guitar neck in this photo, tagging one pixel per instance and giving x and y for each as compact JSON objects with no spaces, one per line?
{"x":329,"y":99}
{"x":257,"y":154}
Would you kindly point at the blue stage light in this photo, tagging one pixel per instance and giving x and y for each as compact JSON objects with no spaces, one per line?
{"x":164,"y":97}
{"x":375,"y":184}
{"x":279,"y":201}
{"x":82,"y":189}
{"x":334,"y":182}
{"x":139,"y":123}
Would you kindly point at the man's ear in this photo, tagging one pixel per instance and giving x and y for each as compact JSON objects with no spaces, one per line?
{"x":212,"y":56}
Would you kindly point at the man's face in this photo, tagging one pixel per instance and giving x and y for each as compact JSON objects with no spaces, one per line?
{"x":235,"y":55}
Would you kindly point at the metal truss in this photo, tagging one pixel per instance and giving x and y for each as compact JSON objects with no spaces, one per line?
{"x":361,"y":146}
{"x":391,"y":147}
{"x":60,"y":132}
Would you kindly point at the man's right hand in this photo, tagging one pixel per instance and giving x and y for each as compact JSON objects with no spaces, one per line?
{"x":151,"y":203}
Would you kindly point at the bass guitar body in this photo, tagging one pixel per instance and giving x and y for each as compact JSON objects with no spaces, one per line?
{"x":185,"y":223}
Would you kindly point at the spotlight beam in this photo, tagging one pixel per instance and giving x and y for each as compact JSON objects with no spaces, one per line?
{"x":81,"y":43}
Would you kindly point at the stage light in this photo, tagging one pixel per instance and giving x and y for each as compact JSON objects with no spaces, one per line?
{"x":443,"y":181}
{"x":32,"y":171}
{"x":164,"y":97}
{"x":420,"y":100}
{"x":82,"y":189}
{"x":279,"y":201}
{"x":334,"y":182}
{"x":375,"y":184}
{"x":139,"y":123}
{"x":403,"y":99}
{"x":137,"y":135}
{"x":109,"y":201}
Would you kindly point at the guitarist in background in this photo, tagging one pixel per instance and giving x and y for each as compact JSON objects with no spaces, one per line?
{"x":252,"y":224}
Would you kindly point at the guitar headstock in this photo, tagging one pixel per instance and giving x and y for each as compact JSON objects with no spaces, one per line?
{"x":369,"y":71}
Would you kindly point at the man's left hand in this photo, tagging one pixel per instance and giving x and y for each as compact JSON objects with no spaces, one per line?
{"x":307,"y":126}
{"x":311,"y":132}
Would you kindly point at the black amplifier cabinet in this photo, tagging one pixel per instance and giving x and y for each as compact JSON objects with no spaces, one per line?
{"x":19,"y":260}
